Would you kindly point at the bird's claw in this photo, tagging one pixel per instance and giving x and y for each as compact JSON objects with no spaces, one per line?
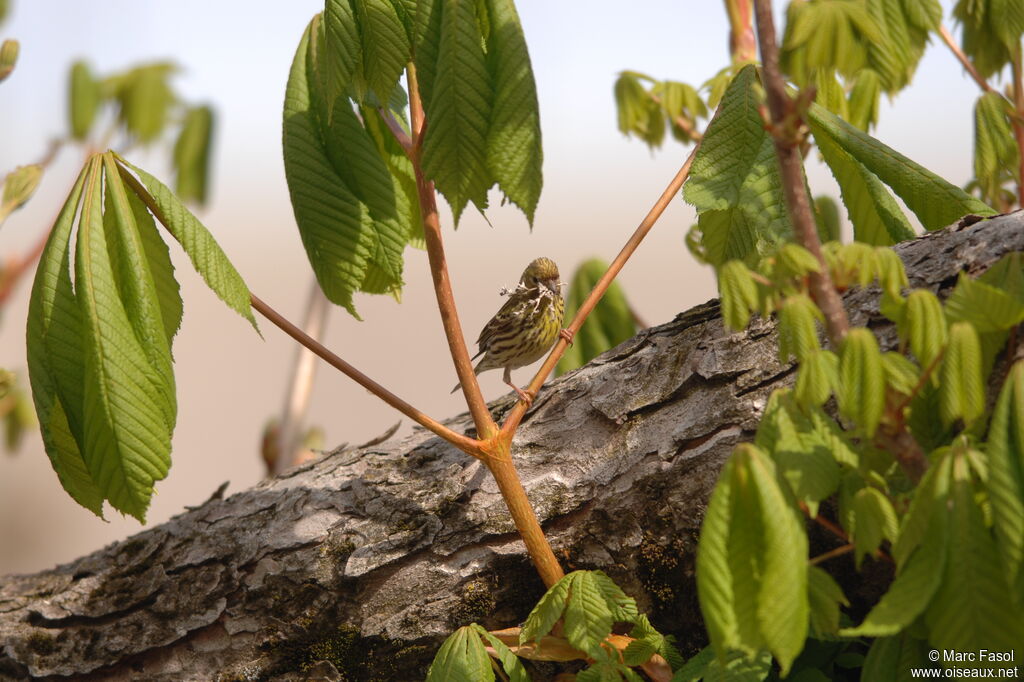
{"x":524,"y":396}
{"x":568,"y":335}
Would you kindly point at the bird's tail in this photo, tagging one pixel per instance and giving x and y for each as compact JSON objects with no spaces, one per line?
{"x":476,"y":370}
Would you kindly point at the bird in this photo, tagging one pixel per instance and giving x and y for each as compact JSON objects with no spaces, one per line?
{"x":526,"y":326}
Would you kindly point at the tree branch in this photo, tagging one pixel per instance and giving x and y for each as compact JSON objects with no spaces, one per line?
{"x":947,"y":38}
{"x":467,"y":445}
{"x":485,"y":426}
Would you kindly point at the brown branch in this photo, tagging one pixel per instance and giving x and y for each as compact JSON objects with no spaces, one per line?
{"x":785,"y":125}
{"x":947,"y":38}
{"x":516,"y":415}
{"x":1017,"y":121}
{"x":831,"y":554}
{"x":496,"y":446}
{"x":16,"y":267}
{"x":485,"y":426}
{"x":467,"y":445}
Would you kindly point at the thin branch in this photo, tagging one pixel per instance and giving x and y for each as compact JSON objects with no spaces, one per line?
{"x":516,"y":415}
{"x":831,"y":554}
{"x":947,"y":38}
{"x":742,"y":46}
{"x":303,"y":371}
{"x":467,"y":445}
{"x":1018,"y":121}
{"x":485,"y":426}
{"x":15,"y":268}
{"x":785,"y":126}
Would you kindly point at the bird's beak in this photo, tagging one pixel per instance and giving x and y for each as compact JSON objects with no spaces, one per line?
{"x":553,"y":286}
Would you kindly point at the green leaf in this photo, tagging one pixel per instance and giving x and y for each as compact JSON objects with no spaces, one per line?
{"x":1005,"y":483}
{"x":970,"y":610}
{"x":348,"y":209}
{"x":462,"y":658}
{"x":510,"y":663}
{"x":961,"y":387}
{"x":914,"y":586}
{"x":824,"y":597}
{"x":876,"y":217}
{"x":830,"y":35}
{"x":874,"y":520}
{"x":934,"y":201}
{"x":459,"y":111}
{"x":861,"y":392}
{"x":206,"y":255}
{"x":738,"y":290}
{"x":891,"y":658}
{"x":996,"y":155}
{"x":989,"y":27}
{"x":385,"y":44}
{"x":782,"y":608}
{"x":901,"y":375}
{"x":987,"y":307}
{"x":734,"y":182}
{"x":145,"y":98}
{"x":83,"y":100}
{"x":8,"y":57}
{"x":546,"y":613}
{"x":864,"y":99}
{"x":55,"y":354}
{"x":728,"y":555}
{"x":609,"y":324}
{"x":830,"y":94}
{"x":341,"y":59}
{"x":588,"y":620}
{"x":827,"y":213}
{"x":19,"y":185}
{"x":192,"y":154}
{"x":128,"y":400}
{"x":925,"y":326}
{"x":891,"y":274}
{"x":514,"y":153}
{"x":798,"y":333}
{"x":904,"y":27}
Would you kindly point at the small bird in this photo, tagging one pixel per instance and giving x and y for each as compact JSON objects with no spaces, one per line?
{"x":526,"y":326}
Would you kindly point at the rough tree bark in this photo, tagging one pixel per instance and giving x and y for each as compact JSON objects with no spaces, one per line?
{"x":356,"y":566}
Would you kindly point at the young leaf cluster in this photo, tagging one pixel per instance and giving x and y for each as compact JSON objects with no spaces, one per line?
{"x":647,"y":111}
{"x":582,"y":609}
{"x":104,"y":309}
{"x":956,"y":539}
{"x":145,"y":106}
{"x":357,"y":173}
{"x":874,"y":46}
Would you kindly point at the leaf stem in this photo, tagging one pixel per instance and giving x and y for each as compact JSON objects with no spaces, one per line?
{"x":467,"y":445}
{"x":742,"y":46}
{"x":947,"y":38}
{"x":485,"y":426}
{"x":516,"y":415}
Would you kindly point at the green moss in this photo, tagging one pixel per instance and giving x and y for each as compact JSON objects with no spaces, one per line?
{"x":661,"y":571}
{"x":476,"y":603}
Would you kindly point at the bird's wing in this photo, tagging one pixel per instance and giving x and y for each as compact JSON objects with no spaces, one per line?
{"x":513,"y":308}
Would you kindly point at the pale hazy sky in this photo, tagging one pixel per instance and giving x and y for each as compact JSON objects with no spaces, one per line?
{"x":236,"y":56}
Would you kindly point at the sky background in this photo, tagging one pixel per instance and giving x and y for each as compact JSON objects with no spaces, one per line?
{"x":597,"y":187}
